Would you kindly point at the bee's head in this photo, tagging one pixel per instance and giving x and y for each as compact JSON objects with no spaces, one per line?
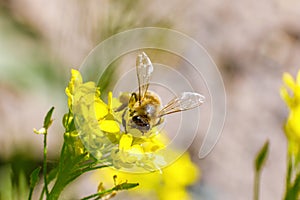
{"x":133,"y":100}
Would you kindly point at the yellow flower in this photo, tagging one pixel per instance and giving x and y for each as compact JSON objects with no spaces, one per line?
{"x":291,"y":95}
{"x":170,"y":183}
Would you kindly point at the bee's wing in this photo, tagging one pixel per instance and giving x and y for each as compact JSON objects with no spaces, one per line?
{"x":186,"y":101}
{"x":144,"y":69}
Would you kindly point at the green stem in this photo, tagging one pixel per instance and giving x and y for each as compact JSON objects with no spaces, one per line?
{"x":122,"y":186}
{"x":30,"y":193}
{"x":289,"y":172}
{"x":61,"y":159}
{"x":42,"y":194}
{"x":45,"y":164}
{"x":57,"y":189}
{"x":288,"y":177}
{"x":59,"y":185}
{"x":99,"y":194}
{"x":94,"y":168}
{"x":256,"y":185}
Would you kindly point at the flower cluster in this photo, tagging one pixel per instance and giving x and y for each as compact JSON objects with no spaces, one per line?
{"x":99,"y":129}
{"x":291,"y":95}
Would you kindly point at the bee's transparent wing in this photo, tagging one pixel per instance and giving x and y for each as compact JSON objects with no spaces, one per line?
{"x":186,"y":101}
{"x":144,"y":69}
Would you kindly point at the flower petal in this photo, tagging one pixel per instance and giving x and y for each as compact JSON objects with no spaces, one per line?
{"x":125,"y":142}
{"x":109,"y":126}
{"x":288,"y":80}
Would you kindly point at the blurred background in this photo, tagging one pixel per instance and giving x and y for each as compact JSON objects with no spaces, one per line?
{"x":252,"y":43}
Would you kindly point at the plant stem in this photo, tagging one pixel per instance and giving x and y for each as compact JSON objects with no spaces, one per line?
{"x":58,"y":186}
{"x":42,"y":194}
{"x":30,"y":194}
{"x":45,"y":165}
{"x":99,"y":194}
{"x":61,"y":159}
{"x":94,"y":168}
{"x":256,"y":185}
{"x":289,"y":173}
{"x":57,"y":189}
{"x":122,"y":186}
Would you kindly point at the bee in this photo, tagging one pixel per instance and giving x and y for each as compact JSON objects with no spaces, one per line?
{"x":142,"y":110}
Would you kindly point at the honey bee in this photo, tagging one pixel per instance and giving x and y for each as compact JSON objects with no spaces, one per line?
{"x":142,"y":110}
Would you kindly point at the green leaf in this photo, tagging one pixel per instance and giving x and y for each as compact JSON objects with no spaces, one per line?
{"x":34,"y":177}
{"x":48,"y":120}
{"x":261,"y":157}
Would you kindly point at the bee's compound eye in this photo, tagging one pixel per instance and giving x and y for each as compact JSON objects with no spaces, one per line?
{"x":141,"y":122}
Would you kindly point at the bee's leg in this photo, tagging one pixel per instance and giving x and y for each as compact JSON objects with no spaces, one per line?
{"x":121,"y":107}
{"x":160,"y":121}
{"x":124,"y":120}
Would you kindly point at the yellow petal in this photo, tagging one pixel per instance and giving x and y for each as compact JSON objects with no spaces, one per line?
{"x":40,"y":131}
{"x":109,"y":126}
{"x":181,"y":172}
{"x":177,"y":193}
{"x":75,"y":82}
{"x":151,"y":146}
{"x":293,"y":123}
{"x":285,"y":96}
{"x":298,"y":78}
{"x":288,"y":80}
{"x":76,"y":75}
{"x":125,"y":142}
{"x":160,"y":161}
{"x":100,"y":109}
{"x":109,"y":101}
{"x":136,"y":149}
